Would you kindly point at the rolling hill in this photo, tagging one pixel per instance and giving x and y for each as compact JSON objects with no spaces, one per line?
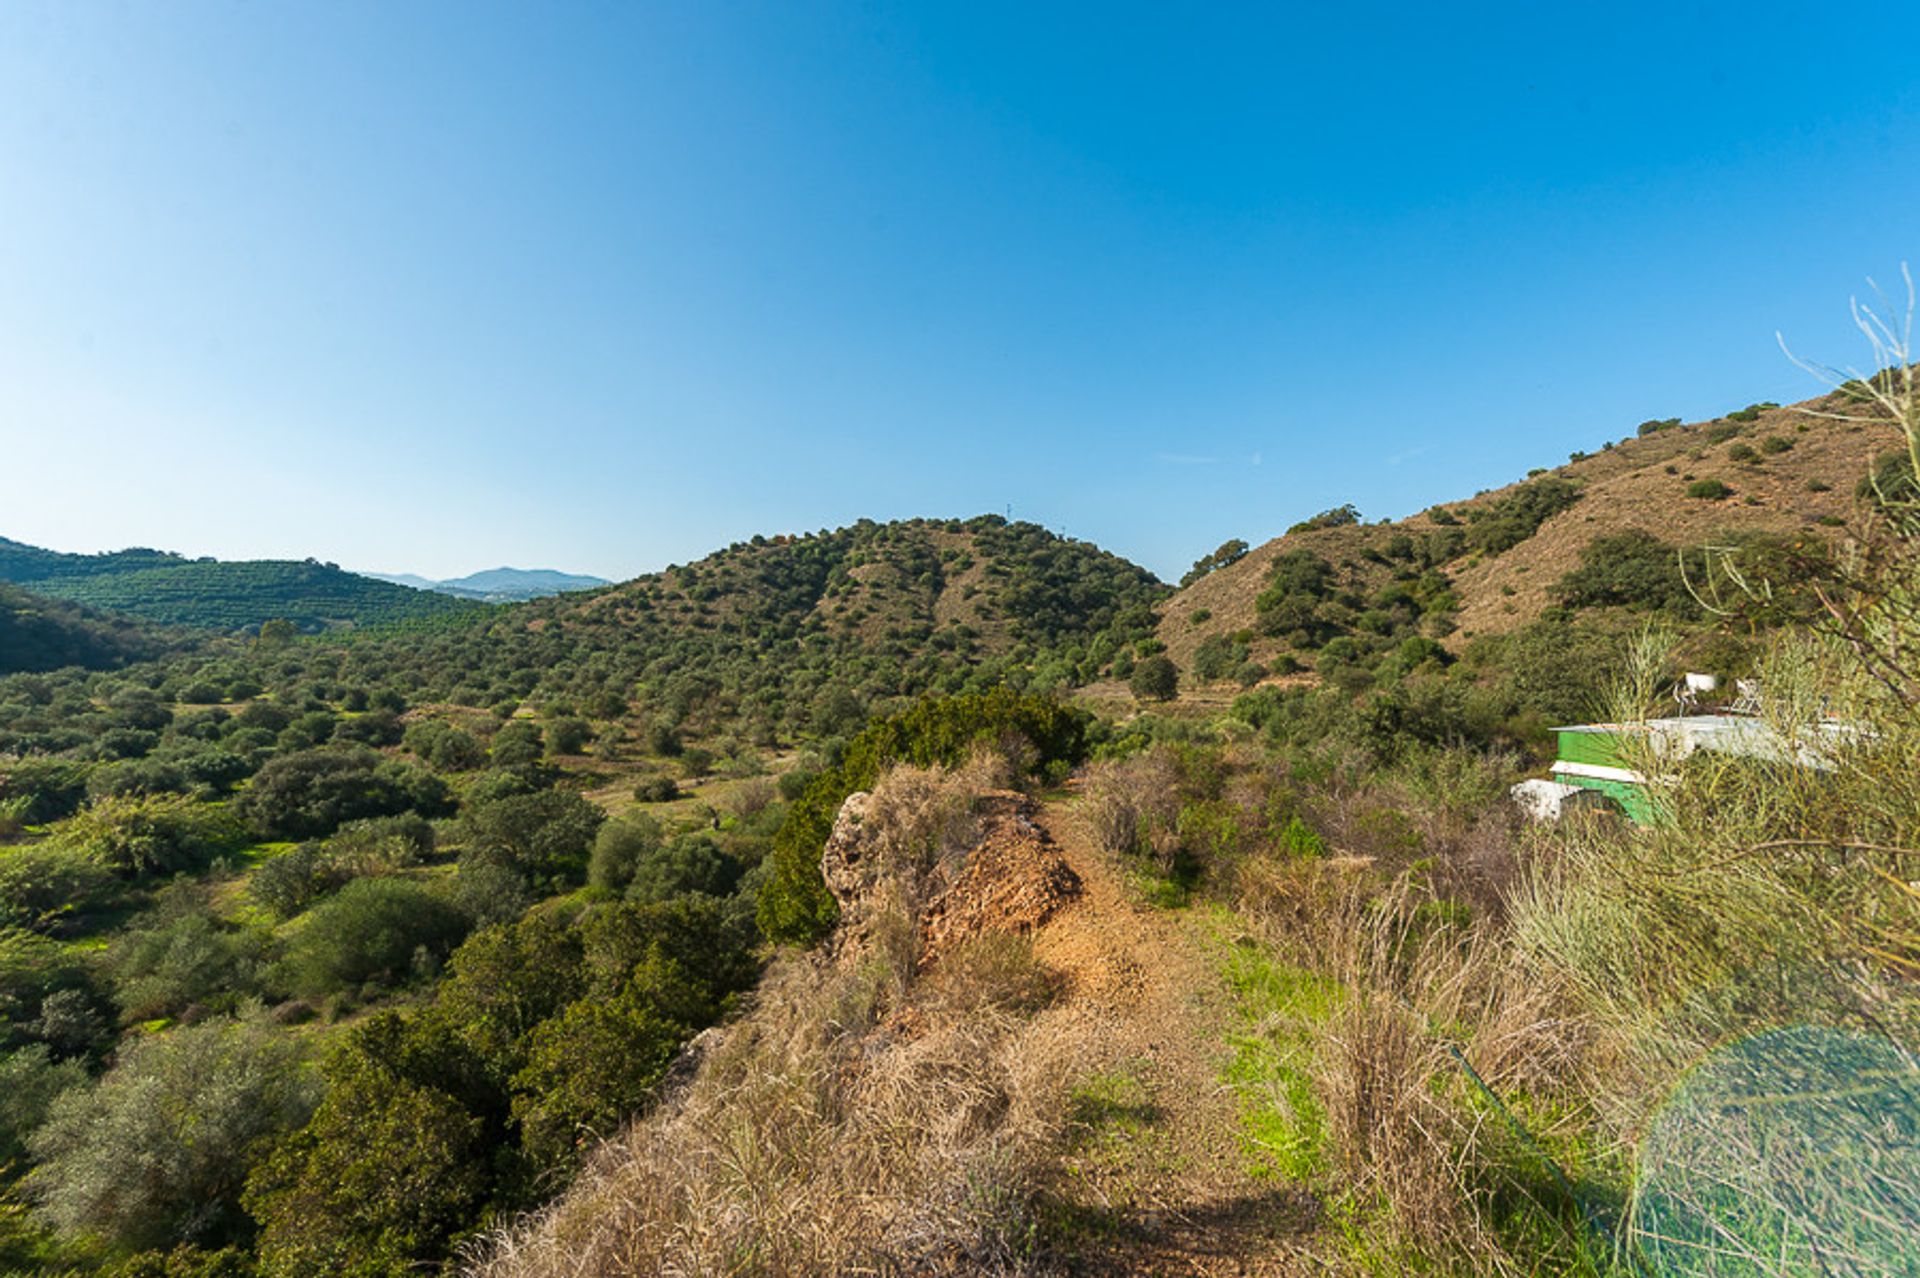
{"x":171,"y":589}
{"x":1500,"y":560}
{"x":780,"y":634}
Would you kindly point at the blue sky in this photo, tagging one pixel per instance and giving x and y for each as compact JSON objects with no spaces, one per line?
{"x":434,"y":287}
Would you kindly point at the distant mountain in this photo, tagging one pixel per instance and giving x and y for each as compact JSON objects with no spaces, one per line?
{"x":234,"y":595}
{"x":415,"y":580}
{"x":500,"y":585}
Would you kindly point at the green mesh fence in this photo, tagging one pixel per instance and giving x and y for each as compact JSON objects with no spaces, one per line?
{"x":1795,"y":1152}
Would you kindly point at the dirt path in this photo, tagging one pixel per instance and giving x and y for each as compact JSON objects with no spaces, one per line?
{"x":1160,"y":1181}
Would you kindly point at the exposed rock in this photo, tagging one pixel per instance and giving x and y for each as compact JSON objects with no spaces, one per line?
{"x":1013,"y":880}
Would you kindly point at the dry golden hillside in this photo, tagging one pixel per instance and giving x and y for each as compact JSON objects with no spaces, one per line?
{"x":1637,"y":483}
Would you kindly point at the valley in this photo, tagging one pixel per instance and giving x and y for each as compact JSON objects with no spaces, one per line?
{"x":528,"y":900}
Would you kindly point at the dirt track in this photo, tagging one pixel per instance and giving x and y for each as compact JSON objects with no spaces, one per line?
{"x":1158,"y":1168}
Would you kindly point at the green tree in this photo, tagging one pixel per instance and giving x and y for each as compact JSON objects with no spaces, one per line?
{"x":371,"y":930}
{"x":517,"y":744}
{"x":394,"y":1165}
{"x":153,"y":833}
{"x":1155,"y":678}
{"x":619,"y":848}
{"x":544,"y":836}
{"x":312,"y":793}
{"x":157,"y":1151}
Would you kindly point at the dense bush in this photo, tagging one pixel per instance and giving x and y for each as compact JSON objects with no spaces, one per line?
{"x":1154,"y":678}
{"x":545,"y":836}
{"x":153,"y":834}
{"x":1217,"y":658}
{"x":1709,"y":490}
{"x":618,"y":849}
{"x":1507,"y":521}
{"x":546,"y":1029}
{"x":383,"y":931}
{"x":1632,"y":569}
{"x":690,"y":863}
{"x":43,"y":789}
{"x":182,"y":958}
{"x":41,"y":884}
{"x":312,"y":793}
{"x":157,"y":1151}
{"x":1228,"y":552}
{"x":1339,"y":517}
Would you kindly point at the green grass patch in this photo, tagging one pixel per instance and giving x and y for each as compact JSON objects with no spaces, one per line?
{"x":1282,"y":1123}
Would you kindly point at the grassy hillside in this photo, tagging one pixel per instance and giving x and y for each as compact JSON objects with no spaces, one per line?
{"x":173,"y":590}
{"x":1494,"y":563}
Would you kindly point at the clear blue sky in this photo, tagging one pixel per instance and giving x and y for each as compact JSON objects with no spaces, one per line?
{"x":434,"y":287}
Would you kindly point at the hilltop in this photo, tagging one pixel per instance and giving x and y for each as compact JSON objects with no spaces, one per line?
{"x":170,"y":589}
{"x":1494,"y":563}
{"x":786,"y":634}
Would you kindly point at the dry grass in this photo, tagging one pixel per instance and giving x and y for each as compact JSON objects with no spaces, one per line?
{"x":855,"y":1121}
{"x":1415,"y":1157}
{"x":1626,"y":487}
{"x":1133,"y":806}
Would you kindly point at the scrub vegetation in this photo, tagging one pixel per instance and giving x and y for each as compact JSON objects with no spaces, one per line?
{"x":945,"y":897}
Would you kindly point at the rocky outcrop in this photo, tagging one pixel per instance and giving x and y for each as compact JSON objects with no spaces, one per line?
{"x":1010,"y":877}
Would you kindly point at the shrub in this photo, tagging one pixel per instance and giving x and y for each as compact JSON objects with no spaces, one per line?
{"x":42,"y":883}
{"x":516,"y":744}
{"x":153,"y":834}
{"x":1155,"y":678}
{"x":1502,"y":524}
{"x":44,"y":789}
{"x":157,"y":1151}
{"x":30,"y":1081}
{"x":392,"y":1166}
{"x":690,"y":863}
{"x":568,"y":736}
{"x":1228,"y":552}
{"x":311,"y":794}
{"x":656,"y":788}
{"x":373,"y":930}
{"x":1773,"y":445}
{"x":1339,"y":517}
{"x":136,"y":776}
{"x":1633,"y":569}
{"x":618,"y":848}
{"x":1709,"y":490}
{"x":544,"y":836}
{"x":1742,"y":453}
{"x":1891,"y":482}
{"x":286,"y":884}
{"x":32,"y":967}
{"x":444,"y":747}
{"x":181,"y":958}
{"x":1298,"y":839}
{"x":1217,"y":657}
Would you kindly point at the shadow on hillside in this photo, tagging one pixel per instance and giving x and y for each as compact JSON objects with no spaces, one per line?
{"x":1194,"y":1238}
